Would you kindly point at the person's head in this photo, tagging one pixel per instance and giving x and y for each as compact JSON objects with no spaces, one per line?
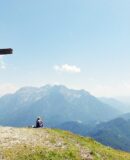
{"x":38,"y":118}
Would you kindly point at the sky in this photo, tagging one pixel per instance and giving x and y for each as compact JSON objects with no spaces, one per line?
{"x":83,"y":44}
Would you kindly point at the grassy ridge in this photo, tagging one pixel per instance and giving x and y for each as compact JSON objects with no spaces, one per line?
{"x":48,"y":144}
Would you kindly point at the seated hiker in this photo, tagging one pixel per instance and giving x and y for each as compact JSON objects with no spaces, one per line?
{"x":39,"y":123}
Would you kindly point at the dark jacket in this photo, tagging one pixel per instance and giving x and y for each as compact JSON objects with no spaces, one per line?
{"x":39,"y":123}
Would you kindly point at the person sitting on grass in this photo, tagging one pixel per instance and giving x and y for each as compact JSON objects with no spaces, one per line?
{"x":39,"y":123}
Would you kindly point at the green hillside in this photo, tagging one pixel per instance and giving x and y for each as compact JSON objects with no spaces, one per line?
{"x":48,"y":144}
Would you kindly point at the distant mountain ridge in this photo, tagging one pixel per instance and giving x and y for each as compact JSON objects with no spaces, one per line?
{"x":57,"y":104}
{"x":115,"y":133}
{"x":124,"y":108}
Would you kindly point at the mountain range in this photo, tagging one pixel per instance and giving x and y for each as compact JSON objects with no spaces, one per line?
{"x":114,"y":133}
{"x":117,"y":104}
{"x":56,"y":104}
{"x":75,"y":110}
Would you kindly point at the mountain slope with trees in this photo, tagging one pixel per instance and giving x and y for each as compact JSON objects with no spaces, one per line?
{"x":115,"y":133}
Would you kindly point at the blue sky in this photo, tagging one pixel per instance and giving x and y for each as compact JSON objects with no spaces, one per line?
{"x":78,"y":43}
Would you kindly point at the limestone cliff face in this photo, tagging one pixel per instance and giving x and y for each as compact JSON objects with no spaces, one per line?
{"x":51,"y":144}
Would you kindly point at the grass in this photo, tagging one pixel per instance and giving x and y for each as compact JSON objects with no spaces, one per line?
{"x":40,"y":153}
{"x":58,"y":145}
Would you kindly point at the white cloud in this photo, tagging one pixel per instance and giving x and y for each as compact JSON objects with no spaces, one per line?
{"x":2,"y":63}
{"x":67,"y":68}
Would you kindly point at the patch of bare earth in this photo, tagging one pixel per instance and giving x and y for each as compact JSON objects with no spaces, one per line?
{"x":11,"y":137}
